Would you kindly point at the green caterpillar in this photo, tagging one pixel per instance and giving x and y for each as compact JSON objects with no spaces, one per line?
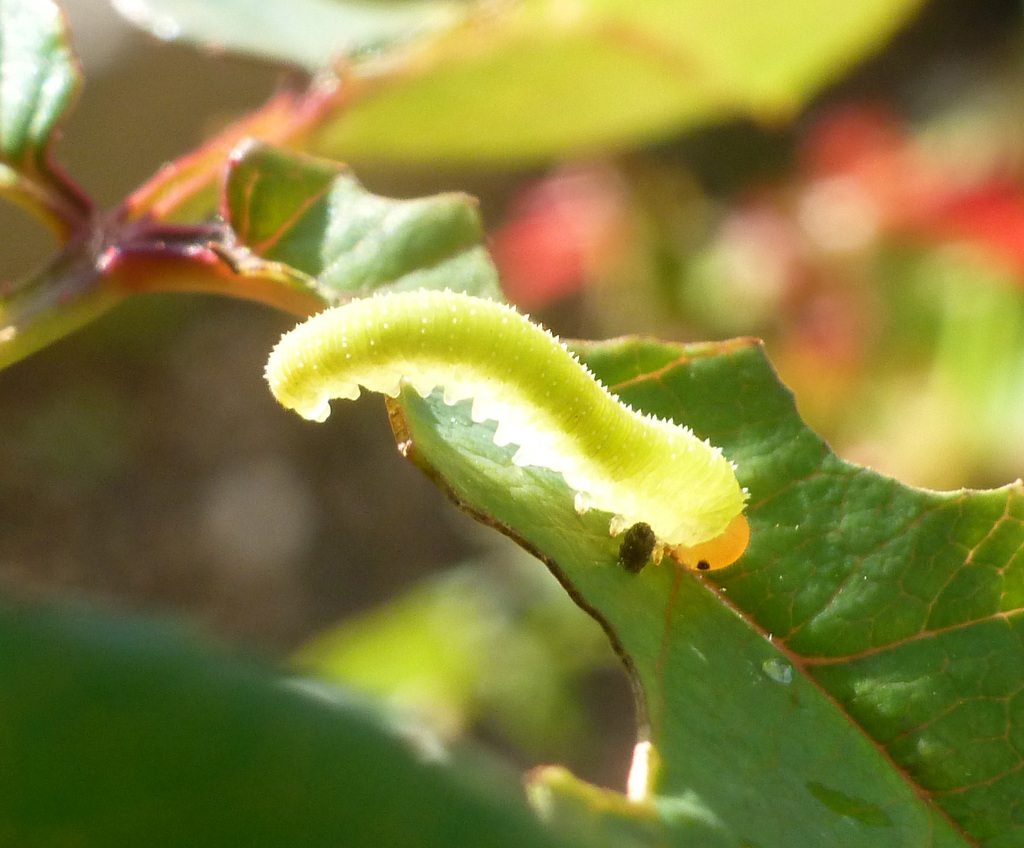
{"x":635,"y":466}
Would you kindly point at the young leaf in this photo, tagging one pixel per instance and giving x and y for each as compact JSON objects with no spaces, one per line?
{"x":119,"y":732}
{"x":314,"y":216}
{"x":38,"y":81}
{"x":852,"y":681}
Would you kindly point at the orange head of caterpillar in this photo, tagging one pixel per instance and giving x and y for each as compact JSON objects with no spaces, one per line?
{"x":715,"y":553}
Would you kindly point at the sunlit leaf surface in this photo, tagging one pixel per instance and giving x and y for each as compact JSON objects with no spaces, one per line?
{"x":546,"y":78}
{"x":539,"y":78}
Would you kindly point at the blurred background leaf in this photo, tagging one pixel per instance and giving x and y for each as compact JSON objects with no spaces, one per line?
{"x":545,"y":79}
{"x":494,"y":644}
{"x":534,"y":79}
{"x":119,"y":732}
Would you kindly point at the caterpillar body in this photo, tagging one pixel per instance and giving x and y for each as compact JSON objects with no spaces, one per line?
{"x":635,"y":466}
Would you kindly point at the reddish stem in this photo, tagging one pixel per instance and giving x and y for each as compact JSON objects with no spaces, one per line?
{"x":152,"y":257}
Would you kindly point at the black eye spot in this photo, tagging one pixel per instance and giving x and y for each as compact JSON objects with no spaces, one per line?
{"x":703,"y":565}
{"x":637,"y":546}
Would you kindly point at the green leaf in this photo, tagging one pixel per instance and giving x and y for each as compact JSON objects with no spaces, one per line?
{"x":118,"y":732}
{"x":852,"y":681}
{"x":314,"y":216}
{"x":310,"y":33}
{"x":38,"y":81}
{"x":544,"y":78}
